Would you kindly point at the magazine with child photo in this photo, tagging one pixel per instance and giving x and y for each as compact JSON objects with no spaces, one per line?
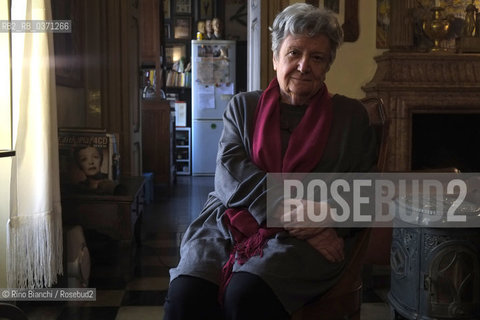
{"x":88,"y":161}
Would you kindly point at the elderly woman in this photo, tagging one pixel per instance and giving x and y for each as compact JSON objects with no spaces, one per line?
{"x":232,"y":266}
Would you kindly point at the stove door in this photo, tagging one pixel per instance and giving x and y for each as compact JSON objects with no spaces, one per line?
{"x":452,"y":284}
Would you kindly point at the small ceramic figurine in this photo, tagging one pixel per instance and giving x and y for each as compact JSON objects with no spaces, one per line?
{"x":208,"y":30}
{"x":469,"y":26}
{"x":200,"y":30}
{"x":217,"y":28}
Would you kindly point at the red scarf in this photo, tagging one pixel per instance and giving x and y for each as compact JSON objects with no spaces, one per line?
{"x":304,"y":151}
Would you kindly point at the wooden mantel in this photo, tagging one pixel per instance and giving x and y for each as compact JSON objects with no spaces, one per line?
{"x":410,"y":83}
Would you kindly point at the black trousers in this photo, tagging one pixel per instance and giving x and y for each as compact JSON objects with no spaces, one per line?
{"x":247,"y":297}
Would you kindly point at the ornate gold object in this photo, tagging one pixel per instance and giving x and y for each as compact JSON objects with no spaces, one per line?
{"x":470,"y":39}
{"x":437,"y":28}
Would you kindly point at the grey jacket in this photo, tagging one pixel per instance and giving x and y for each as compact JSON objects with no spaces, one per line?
{"x":295,"y":271}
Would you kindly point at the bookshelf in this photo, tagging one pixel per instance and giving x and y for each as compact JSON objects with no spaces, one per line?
{"x":178,"y":32}
{"x":183,"y":150}
{"x":179,"y":79}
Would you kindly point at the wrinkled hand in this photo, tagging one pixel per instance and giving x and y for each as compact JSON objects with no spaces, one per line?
{"x":319,"y":234}
{"x":329,"y":244}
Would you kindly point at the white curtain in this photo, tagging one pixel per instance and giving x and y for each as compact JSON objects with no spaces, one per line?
{"x":35,"y":247}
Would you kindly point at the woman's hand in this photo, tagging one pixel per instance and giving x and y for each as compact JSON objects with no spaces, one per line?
{"x":319,"y":234}
{"x":329,"y":244}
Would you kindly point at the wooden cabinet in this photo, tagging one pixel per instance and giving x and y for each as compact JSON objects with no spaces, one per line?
{"x":158,"y":122}
{"x":150,"y":31}
{"x":115,"y":216}
{"x":158,"y":140}
{"x":151,"y":37}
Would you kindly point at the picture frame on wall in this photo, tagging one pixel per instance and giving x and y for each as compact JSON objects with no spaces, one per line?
{"x":236,"y":13}
{"x":205,"y":9}
{"x":336,"y":6}
{"x":347,"y":15}
{"x":166,"y":9}
{"x":182,"y":28}
{"x":174,"y":52}
{"x":351,"y":24}
{"x":383,"y":23}
{"x":183,"y":6}
{"x":333,"y":5}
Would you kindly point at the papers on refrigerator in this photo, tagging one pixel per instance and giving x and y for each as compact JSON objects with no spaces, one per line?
{"x":206,"y":97}
{"x":224,"y":92}
{"x":210,"y":96}
{"x":213,"y":70}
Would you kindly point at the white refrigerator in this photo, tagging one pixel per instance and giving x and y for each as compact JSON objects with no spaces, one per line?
{"x":213,"y":84}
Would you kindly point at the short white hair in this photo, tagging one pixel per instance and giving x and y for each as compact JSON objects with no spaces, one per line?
{"x":305,"y":19}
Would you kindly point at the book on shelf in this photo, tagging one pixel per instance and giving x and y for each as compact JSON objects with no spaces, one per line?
{"x":178,"y":79}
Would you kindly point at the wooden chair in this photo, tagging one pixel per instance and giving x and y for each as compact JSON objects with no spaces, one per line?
{"x":378,"y":252}
{"x":343,"y":301}
{"x":378,"y":120}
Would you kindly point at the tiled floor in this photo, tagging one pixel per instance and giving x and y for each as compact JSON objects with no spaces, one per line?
{"x":143,"y":296}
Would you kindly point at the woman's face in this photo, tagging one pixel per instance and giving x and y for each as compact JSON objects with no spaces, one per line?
{"x":301,"y":66}
{"x":89,"y":160}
